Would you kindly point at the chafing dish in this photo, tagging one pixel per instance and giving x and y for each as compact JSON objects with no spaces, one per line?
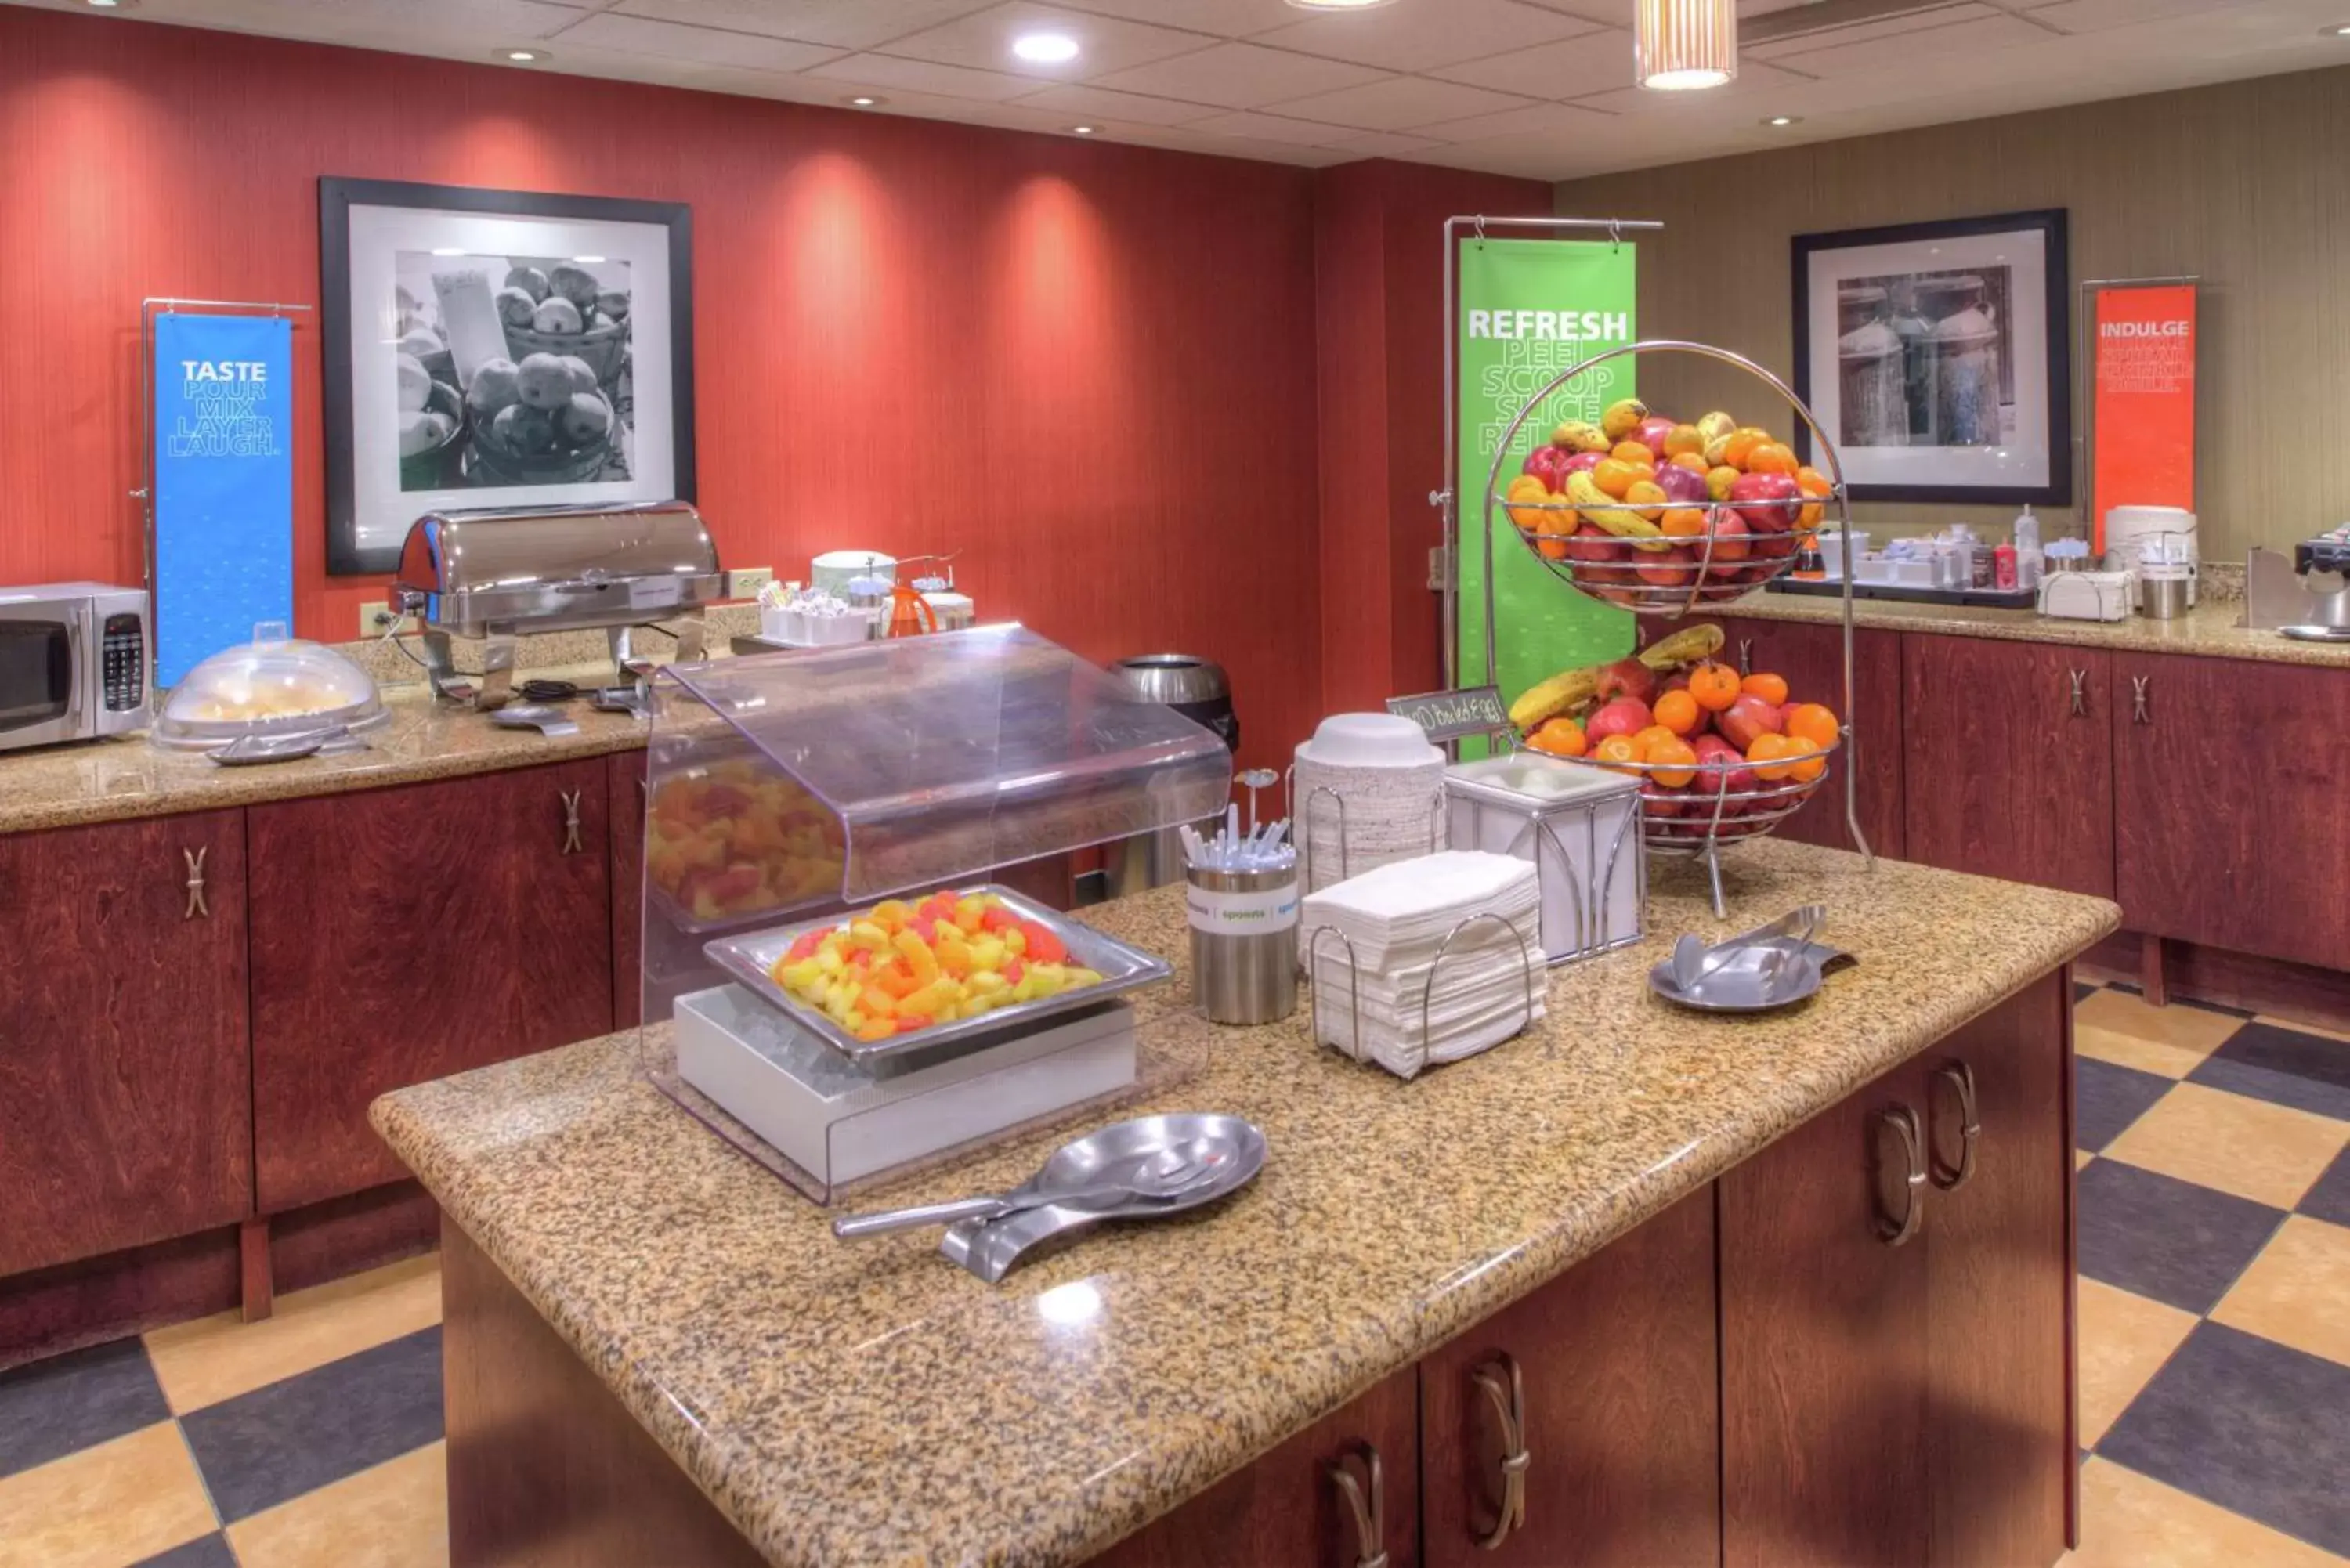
{"x":496,"y":573}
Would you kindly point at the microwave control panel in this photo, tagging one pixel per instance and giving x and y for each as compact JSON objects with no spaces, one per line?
{"x":125,"y":663}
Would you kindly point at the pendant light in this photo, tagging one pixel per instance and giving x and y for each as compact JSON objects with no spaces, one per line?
{"x":1680,"y":45}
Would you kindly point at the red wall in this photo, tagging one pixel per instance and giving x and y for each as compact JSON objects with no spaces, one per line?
{"x":1090,"y":366}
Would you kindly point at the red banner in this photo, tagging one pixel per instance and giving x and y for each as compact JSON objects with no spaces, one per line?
{"x":2144,"y":422}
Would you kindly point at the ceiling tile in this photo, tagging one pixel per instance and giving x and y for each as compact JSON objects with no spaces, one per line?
{"x":844,"y":24}
{"x":1223,"y":18}
{"x":1399,"y":103}
{"x":1588,"y":62}
{"x":1106,"y":44}
{"x":924,"y":75}
{"x":1268,"y":127}
{"x":1099,"y":103}
{"x":2098,"y":16}
{"x":1534,"y":119}
{"x":1240,"y":76}
{"x":1419,"y":38}
{"x":1382,"y":143}
{"x":1903,"y":51}
{"x":1923,"y":19}
{"x":641,"y":35}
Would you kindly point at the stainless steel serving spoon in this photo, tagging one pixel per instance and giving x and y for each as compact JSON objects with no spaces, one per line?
{"x":1169,"y":1174}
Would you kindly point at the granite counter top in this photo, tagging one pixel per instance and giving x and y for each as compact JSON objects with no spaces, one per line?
{"x":106,"y":780}
{"x":2209,"y":630}
{"x":870,"y":1403}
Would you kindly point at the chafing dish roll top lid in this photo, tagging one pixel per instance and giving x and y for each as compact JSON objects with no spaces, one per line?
{"x":495,"y":573}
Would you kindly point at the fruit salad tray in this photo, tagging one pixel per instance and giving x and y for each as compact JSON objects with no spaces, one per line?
{"x":1020,"y":965}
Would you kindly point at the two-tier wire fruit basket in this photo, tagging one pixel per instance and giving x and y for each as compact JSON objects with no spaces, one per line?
{"x":1686,"y":536}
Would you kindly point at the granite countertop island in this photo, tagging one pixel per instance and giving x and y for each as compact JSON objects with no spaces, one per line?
{"x":870,"y":1403}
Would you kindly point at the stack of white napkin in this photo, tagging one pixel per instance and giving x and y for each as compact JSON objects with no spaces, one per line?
{"x":1395,"y":918}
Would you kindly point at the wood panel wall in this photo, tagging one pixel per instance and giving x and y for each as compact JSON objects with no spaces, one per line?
{"x":1090,"y":366}
{"x":2242,"y":184}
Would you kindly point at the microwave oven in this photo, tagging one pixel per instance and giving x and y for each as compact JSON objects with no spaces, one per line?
{"x":74,"y":661}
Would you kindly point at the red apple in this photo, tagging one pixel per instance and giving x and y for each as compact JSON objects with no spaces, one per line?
{"x":1580,"y":463}
{"x":1549,"y":464}
{"x":1591,"y":543}
{"x":1656,"y":799}
{"x":1768,"y":548}
{"x":1665,"y":568}
{"x":1627,"y":677}
{"x":1622,"y":716}
{"x":1680,"y":486}
{"x":1746,"y":719}
{"x":1651,"y":433}
{"x":1781,"y":488}
{"x":1732,"y":541}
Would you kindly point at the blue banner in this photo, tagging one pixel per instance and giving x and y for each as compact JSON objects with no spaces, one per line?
{"x":224,"y":484}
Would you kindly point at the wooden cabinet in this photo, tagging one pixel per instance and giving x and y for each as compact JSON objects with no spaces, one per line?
{"x":401,"y":935}
{"x":2010,"y":768}
{"x":1908,"y":1401}
{"x":1606,"y":1381}
{"x":1811,"y":656}
{"x":1289,"y":1510}
{"x":625,"y":786}
{"x":123,"y":1069}
{"x":2228,"y":804}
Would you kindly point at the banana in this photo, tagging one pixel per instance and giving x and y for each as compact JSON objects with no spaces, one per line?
{"x":1580,"y":435}
{"x":1562,"y":694}
{"x":1687,"y":646}
{"x":1621,"y":417}
{"x":1600,"y":510}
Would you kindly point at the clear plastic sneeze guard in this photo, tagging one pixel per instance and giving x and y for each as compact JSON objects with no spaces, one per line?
{"x":782,"y":789}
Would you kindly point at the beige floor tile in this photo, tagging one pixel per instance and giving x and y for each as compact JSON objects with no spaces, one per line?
{"x":2187,"y":1028}
{"x":2130,"y":1050}
{"x":2130,"y":1521}
{"x":104,"y":1506}
{"x":2268,"y":1153}
{"x":2082,"y":1156}
{"x":2124,"y":1339}
{"x":393,"y":1516}
{"x":2297,"y":1291}
{"x":217,"y":1358}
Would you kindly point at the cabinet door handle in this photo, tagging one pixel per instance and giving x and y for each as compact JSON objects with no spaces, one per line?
{"x":2139,"y":712}
{"x":1892,"y":1229}
{"x":1745,"y":656}
{"x":571,"y":845}
{"x":197,"y":905}
{"x":1366,"y":1499}
{"x":2080,"y":692}
{"x":1960,"y":1078}
{"x":1506,"y":1390}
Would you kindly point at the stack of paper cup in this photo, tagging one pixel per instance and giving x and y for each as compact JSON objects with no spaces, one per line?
{"x":1367,"y":790}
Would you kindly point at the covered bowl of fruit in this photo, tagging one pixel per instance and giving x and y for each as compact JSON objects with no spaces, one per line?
{"x":1721,"y":757}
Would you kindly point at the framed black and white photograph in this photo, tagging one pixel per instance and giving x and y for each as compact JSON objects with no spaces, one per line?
{"x":499,"y":349}
{"x":1937,"y":357}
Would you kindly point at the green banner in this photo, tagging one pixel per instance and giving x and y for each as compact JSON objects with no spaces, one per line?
{"x":1530,"y":309}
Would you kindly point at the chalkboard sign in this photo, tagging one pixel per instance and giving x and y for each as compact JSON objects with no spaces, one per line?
{"x":1449,"y":715}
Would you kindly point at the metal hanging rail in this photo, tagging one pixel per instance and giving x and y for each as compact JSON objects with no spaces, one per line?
{"x":1478,"y":227}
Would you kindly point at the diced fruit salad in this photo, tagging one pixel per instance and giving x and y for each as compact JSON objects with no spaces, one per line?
{"x":900,"y":967}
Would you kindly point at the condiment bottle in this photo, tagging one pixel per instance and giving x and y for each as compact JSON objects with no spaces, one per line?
{"x":2003,"y":566}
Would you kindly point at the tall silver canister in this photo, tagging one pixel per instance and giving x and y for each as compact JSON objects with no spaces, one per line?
{"x":1197,"y":689}
{"x":1244,"y":943}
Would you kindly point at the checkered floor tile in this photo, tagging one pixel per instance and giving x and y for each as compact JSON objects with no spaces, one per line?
{"x":2214,"y":1339}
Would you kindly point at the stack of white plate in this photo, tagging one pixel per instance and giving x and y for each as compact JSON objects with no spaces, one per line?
{"x":1368,"y":791}
{"x":1372,"y":992}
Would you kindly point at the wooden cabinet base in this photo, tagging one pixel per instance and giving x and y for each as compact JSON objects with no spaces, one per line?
{"x":544,"y":1466}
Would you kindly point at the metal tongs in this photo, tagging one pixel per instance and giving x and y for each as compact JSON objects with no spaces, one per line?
{"x":1693,"y":962}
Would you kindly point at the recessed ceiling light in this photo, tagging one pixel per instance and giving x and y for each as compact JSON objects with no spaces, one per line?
{"x":1081,"y":131}
{"x":1044,"y":48}
{"x":109,"y":5}
{"x":587,"y":261}
{"x":448,"y":250}
{"x":1336,"y":5}
{"x":865,"y":101}
{"x":2340,"y":30}
{"x":525,"y":56}
{"x":1784,"y":119}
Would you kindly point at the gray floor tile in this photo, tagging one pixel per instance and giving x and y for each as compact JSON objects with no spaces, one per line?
{"x":279,"y":1441}
{"x":2283,"y":1065}
{"x":2255,"y":1427}
{"x":2107,"y":1098}
{"x":58,"y":1407}
{"x":2330,"y":1198}
{"x":2164,"y":1238}
{"x":205,"y":1552}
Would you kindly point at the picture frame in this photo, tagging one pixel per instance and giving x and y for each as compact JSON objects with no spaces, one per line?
{"x":1938,"y":356}
{"x":486,"y":348}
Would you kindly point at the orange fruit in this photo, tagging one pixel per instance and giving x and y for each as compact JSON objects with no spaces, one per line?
{"x":1714,"y":686}
{"x":1718,"y":481}
{"x":1646,"y":741}
{"x":1763,"y":756}
{"x":1812,"y":723}
{"x":1674,"y":762}
{"x":1559,"y":738}
{"x":1812,"y":484}
{"x":1528,"y":487}
{"x":1678,"y":712}
{"x":1770,"y":457}
{"x":1648,"y":496}
{"x":1806,"y":771}
{"x":1771,"y":689}
{"x":1614,"y":476}
{"x":1682,"y":522}
{"x":1616,"y":751}
{"x":1740,"y":447}
{"x":1693,"y":462}
{"x":1635,"y":452}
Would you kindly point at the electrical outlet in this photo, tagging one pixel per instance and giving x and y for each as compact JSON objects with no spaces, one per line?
{"x":744,"y":582}
{"x":375,"y":618}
